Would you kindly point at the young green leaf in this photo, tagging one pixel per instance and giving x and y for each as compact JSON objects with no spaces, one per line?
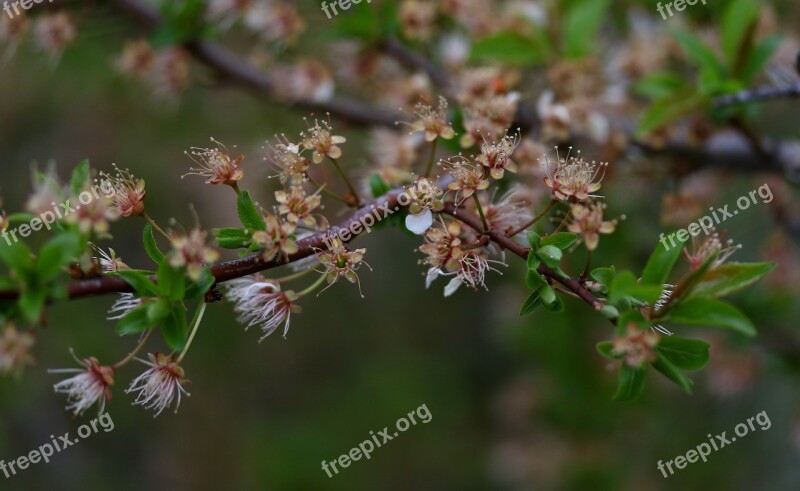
{"x":57,"y":254}
{"x":16,"y":256}
{"x":530,"y":304}
{"x":140,"y":282}
{"x":377,"y":186}
{"x":672,"y":372}
{"x":561,"y":240}
{"x":759,"y":56}
{"x":80,"y":178}
{"x":739,"y":17}
{"x":31,"y":303}
{"x":699,"y":52}
{"x":534,"y":280}
{"x":710,"y":312}
{"x":631,"y":383}
{"x":625,"y":285}
{"x":604,"y":276}
{"x":157,"y":311}
{"x":173,"y":328}
{"x":135,"y":321}
{"x":581,"y":24}
{"x":606,"y":348}
{"x":232,"y":238}
{"x":171,"y":282}
{"x":533,"y":261}
{"x":150,"y":245}
{"x":248,"y":213}
{"x":684,"y":353}
{"x":730,"y":278}
{"x":660,"y":264}
{"x":550,"y":255}
{"x":196,"y":290}
{"x":533,"y":239}
{"x":511,"y":49}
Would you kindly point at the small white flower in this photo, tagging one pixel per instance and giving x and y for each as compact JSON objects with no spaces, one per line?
{"x":91,"y":384}
{"x":159,"y":385}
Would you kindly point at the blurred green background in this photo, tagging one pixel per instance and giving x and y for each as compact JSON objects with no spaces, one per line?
{"x":517,"y":403}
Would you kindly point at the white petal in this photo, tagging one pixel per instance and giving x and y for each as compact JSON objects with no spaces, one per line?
{"x":433,"y":273}
{"x":452,"y":286}
{"x":420,"y":222}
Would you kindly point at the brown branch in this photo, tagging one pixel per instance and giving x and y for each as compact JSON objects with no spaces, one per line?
{"x":500,"y":238}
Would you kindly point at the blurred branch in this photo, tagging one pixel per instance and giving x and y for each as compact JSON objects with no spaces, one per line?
{"x":230,"y":65}
{"x":759,"y":94}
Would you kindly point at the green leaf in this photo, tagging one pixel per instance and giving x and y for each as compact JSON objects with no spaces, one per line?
{"x":377,"y":186}
{"x":56,"y":254}
{"x":730,"y":278}
{"x":631,"y":383}
{"x":667,"y":110}
{"x":31,"y":303}
{"x":660,"y":85}
{"x":16,"y":256}
{"x":561,"y":240}
{"x":135,"y":321}
{"x":660,"y":264}
{"x":171,"y":282}
{"x":550,"y":255}
{"x":606,"y":348}
{"x":759,"y":56}
{"x":150,"y":245}
{"x":174,"y":328}
{"x":510,"y":48}
{"x":711,"y":312}
{"x":604,"y":275}
{"x":610,"y":312}
{"x":80,"y":178}
{"x":157,"y":311}
{"x":699,"y":52}
{"x":19,"y":218}
{"x":533,"y":239}
{"x":534,"y":280}
{"x":198,"y":289}
{"x":625,"y":285}
{"x":581,"y":25}
{"x":550,"y":299}
{"x":361,"y":22}
{"x":232,"y":238}
{"x":684,"y":353}
{"x":533,"y":261}
{"x":672,"y":372}
{"x":140,"y":282}
{"x":248,"y":213}
{"x":738,"y":19}
{"x":530,"y":304}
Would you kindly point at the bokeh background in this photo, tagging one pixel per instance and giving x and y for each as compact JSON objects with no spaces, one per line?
{"x":517,"y":403}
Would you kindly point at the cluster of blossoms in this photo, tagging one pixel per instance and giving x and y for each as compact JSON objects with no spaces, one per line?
{"x":637,"y":347}
{"x":51,"y":32}
{"x":165,"y":70}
